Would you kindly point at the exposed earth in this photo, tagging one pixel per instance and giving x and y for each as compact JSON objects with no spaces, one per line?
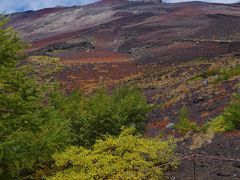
{"x":166,"y":49}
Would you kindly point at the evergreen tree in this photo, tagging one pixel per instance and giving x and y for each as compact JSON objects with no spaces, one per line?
{"x":101,"y":113}
{"x":31,"y":128}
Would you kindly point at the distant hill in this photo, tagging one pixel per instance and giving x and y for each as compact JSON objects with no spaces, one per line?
{"x":145,"y":30}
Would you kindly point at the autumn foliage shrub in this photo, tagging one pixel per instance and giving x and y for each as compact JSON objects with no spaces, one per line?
{"x":128,"y":156}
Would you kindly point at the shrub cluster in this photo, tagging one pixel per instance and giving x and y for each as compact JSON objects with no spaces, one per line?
{"x":128,"y":156}
{"x":222,"y":74}
{"x":102,"y":113}
{"x":37,"y":120}
{"x":230,"y":119}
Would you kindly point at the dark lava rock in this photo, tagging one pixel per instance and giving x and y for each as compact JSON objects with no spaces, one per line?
{"x":198,"y":100}
{"x":212,"y":169}
{"x":51,"y":49}
{"x":222,"y":174}
{"x":236,"y":164}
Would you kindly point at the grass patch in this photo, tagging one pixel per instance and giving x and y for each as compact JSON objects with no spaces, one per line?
{"x":201,"y":138}
{"x":44,"y":66}
{"x":229,"y":120}
{"x":220,"y":124}
{"x":222,"y":74}
{"x":227,"y":73}
{"x":185,"y":124}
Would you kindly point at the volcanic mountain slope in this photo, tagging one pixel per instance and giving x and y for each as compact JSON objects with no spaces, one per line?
{"x":149,"y":32}
{"x":184,"y":54}
{"x":114,"y":42}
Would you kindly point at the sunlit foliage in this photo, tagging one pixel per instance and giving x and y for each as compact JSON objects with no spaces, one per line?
{"x":128,"y":156}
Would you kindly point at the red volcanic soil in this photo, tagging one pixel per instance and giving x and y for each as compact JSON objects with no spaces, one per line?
{"x":94,"y":56}
{"x":104,"y":74}
{"x":18,"y":18}
{"x":148,"y":32}
{"x":132,"y":37}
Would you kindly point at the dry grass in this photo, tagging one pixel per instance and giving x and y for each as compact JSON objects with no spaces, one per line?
{"x":201,"y":138}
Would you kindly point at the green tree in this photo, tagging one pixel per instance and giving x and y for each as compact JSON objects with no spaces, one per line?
{"x":128,"y":156}
{"x":103,"y":113}
{"x":31,"y":128}
{"x":11,"y":46}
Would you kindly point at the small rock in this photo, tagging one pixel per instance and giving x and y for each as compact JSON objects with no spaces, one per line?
{"x":235,"y":175}
{"x":222,"y":174}
{"x":236,"y":164}
{"x":170,"y":126}
{"x":205,"y":82}
{"x":198,"y":100}
{"x":202,"y":165}
{"x":209,"y":141}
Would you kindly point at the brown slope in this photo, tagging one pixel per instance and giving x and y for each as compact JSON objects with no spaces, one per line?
{"x":110,"y":43}
{"x":148,"y":31}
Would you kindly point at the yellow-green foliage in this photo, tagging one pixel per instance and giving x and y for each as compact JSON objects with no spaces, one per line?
{"x":220,"y":124}
{"x":185,"y":125}
{"x":44,"y":59}
{"x":44,"y":66}
{"x":230,"y":119}
{"x":232,"y":113}
{"x":228,"y":73}
{"x":128,"y":156}
{"x":222,"y":73}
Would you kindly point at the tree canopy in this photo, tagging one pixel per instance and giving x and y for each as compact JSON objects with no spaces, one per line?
{"x":31,"y":128}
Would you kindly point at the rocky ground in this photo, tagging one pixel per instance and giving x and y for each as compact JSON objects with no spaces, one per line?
{"x":208,"y":166}
{"x":172,"y":51}
{"x":149,"y":32}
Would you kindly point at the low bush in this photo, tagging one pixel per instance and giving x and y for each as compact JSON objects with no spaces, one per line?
{"x":128,"y":156}
{"x":222,"y":74}
{"x":185,"y":125}
{"x":220,"y":124}
{"x":227,"y":73}
{"x":103,"y":113}
{"x":230,"y":119}
{"x":232,"y":113}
